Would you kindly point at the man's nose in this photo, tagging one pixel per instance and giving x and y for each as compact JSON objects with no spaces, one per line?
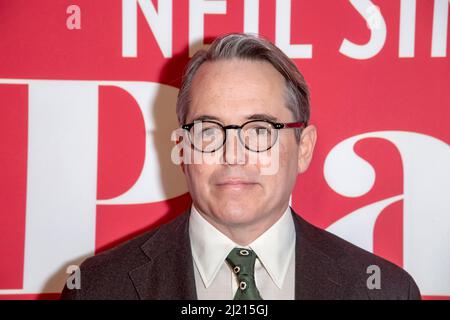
{"x":234,"y":151}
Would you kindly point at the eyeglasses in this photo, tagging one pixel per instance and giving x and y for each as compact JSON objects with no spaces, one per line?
{"x":256,"y":135}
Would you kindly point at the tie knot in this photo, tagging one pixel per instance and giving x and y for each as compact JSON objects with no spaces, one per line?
{"x":242,"y":261}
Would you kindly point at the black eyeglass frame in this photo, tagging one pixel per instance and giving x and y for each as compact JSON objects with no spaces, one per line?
{"x":275,"y":125}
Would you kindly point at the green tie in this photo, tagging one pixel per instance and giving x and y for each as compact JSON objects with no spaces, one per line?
{"x":242,"y":261}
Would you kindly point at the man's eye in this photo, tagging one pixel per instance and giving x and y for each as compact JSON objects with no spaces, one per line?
{"x":261,"y":130}
{"x":208,"y":132}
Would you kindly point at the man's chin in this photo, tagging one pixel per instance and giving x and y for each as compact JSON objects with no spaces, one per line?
{"x":238,"y":218}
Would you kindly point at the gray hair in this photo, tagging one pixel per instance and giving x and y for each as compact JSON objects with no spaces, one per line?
{"x":249,"y":47}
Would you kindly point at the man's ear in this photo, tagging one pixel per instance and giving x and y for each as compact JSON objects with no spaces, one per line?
{"x":306,"y":147}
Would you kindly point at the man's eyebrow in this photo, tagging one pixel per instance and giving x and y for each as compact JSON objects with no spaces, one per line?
{"x":206,"y":117}
{"x":262,"y":116}
{"x":255,"y":116}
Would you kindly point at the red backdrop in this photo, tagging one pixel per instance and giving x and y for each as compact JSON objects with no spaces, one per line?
{"x":87,"y":93}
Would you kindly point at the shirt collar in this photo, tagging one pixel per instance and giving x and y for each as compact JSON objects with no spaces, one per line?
{"x":210,"y":247}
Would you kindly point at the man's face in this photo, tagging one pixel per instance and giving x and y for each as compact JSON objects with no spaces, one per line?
{"x":235,"y":194}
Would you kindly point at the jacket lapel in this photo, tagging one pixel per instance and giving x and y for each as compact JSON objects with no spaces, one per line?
{"x":169,"y":273}
{"x":316,"y":274}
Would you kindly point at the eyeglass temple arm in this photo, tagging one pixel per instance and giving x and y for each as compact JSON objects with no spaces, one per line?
{"x":294,"y":125}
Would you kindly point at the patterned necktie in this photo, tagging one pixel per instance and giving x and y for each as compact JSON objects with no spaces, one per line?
{"x":242,"y":261}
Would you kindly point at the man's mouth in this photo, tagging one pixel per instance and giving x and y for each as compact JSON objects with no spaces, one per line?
{"x":235,"y":184}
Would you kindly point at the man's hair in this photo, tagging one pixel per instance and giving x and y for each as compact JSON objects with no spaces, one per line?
{"x":253,"y":48}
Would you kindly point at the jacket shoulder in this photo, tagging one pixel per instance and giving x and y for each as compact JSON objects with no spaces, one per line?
{"x":106,"y":275}
{"x":359,"y":269}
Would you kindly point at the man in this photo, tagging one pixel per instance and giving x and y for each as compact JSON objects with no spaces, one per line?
{"x":240,"y":239}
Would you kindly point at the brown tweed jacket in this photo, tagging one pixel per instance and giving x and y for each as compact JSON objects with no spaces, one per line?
{"x":158,"y":265}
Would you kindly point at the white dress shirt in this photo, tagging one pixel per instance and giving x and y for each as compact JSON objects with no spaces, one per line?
{"x":274,"y":267}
